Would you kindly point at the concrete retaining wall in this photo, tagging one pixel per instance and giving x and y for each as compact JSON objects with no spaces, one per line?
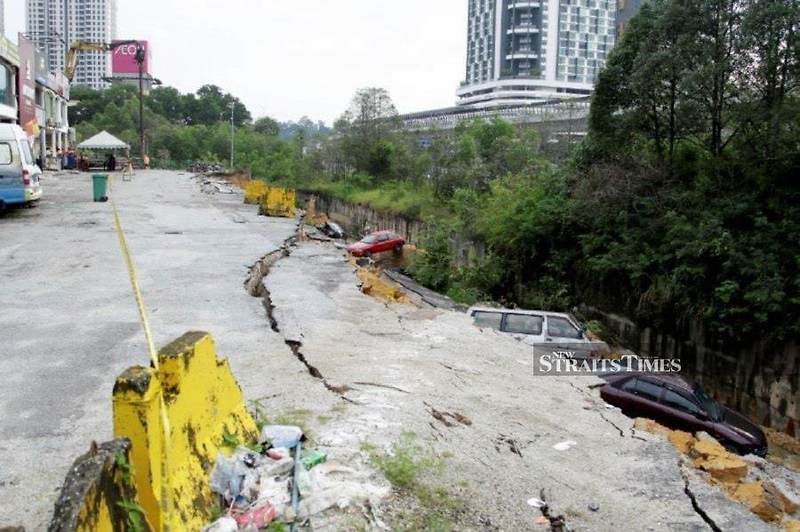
{"x":355,"y":218}
{"x":760,"y":379}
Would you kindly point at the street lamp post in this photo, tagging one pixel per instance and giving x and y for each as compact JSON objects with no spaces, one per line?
{"x":140,"y":59}
{"x":233,"y":131}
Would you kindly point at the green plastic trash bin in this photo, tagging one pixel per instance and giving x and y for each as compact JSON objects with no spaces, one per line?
{"x":100,"y":185}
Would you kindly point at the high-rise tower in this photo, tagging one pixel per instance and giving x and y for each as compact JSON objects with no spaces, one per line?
{"x":54,"y":24}
{"x":527,"y":51}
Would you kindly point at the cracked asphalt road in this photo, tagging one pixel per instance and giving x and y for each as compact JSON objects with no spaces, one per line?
{"x":69,"y":322}
{"x":354,"y":368}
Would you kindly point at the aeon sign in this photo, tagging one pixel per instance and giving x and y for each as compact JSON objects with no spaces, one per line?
{"x":124,"y":59}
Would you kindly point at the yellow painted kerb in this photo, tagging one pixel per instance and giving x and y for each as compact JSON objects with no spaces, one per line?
{"x":254,"y":191}
{"x":279,"y":202}
{"x":203,"y":401}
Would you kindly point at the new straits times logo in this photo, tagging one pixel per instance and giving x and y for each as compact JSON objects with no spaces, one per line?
{"x":594,"y":359}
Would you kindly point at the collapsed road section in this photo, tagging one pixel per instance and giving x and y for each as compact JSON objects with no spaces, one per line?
{"x":407,"y":370}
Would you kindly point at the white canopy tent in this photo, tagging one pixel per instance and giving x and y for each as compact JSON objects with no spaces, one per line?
{"x":103,"y":141}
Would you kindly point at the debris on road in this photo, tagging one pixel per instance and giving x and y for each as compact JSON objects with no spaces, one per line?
{"x":448,"y":418}
{"x":277,"y":480}
{"x":200,"y":167}
{"x":280,"y":436}
{"x":215,"y":186}
{"x":770,"y":491}
{"x":373,"y":285}
{"x":565,"y":445}
{"x":223,"y":524}
{"x":332,"y":229}
{"x":536,"y":503}
{"x":314,"y":458}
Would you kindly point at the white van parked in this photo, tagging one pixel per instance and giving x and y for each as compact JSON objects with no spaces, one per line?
{"x":531,"y":326}
{"x":19,"y":176}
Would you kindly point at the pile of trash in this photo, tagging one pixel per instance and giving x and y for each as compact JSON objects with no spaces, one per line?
{"x":199,"y":167}
{"x":279,"y":481}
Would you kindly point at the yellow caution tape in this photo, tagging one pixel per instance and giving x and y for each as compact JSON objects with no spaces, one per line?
{"x":137,"y":294}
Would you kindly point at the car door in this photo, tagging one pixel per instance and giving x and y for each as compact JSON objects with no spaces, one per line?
{"x":560,"y":329}
{"x":380,"y":243}
{"x":682,"y":412}
{"x":646,"y":399}
{"x":11,"y":189}
{"x":528,"y":328}
{"x":565,"y":336}
{"x":622,"y":394}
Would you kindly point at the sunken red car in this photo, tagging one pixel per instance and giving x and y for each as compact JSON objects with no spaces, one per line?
{"x":680,"y":404}
{"x":377,"y":242}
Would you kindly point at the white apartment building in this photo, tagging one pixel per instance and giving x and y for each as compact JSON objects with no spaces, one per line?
{"x":55,"y":24}
{"x":528,"y":51}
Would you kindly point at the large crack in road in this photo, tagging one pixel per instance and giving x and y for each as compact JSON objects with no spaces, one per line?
{"x":255,"y":286}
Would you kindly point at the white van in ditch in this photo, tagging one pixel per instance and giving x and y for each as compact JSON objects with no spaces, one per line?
{"x":531,"y":326}
{"x":19,"y":176}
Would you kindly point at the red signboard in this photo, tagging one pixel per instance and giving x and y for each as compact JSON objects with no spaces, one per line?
{"x":124,"y":59}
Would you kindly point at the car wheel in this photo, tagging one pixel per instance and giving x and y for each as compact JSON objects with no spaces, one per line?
{"x":398,"y":249}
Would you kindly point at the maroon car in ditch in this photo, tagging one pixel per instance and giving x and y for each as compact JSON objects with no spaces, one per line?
{"x":377,"y":243}
{"x":680,"y":404}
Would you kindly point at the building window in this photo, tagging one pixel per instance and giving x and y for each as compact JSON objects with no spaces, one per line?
{"x":6,"y":86}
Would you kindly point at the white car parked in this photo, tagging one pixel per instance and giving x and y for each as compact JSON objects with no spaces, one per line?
{"x":531,"y":326}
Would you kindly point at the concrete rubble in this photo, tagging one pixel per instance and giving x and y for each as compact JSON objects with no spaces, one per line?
{"x":767,"y":490}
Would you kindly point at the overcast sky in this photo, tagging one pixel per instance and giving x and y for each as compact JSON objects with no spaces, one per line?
{"x":289,"y":58}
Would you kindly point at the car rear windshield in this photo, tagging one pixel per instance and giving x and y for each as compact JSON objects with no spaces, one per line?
{"x":488,"y":320}
{"x":524,"y":324}
{"x":27,"y":156}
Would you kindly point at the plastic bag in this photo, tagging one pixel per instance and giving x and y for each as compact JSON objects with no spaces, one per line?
{"x":281,"y":436}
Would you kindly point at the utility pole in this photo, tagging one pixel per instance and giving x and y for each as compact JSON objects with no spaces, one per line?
{"x":233,"y":131}
{"x":140,"y":58}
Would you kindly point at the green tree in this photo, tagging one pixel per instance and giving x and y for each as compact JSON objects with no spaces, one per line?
{"x":167,"y":102}
{"x":267,"y":126}
{"x":366,"y":127}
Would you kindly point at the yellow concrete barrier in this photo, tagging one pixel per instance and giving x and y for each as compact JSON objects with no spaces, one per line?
{"x":279,"y":202}
{"x":254,"y":192}
{"x":98,"y":494}
{"x":203,"y":403}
